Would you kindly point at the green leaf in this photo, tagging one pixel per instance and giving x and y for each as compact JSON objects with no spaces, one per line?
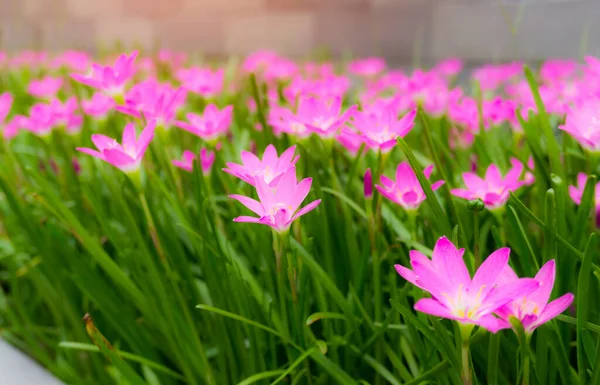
{"x":582,"y":304}
{"x":440,"y":217}
{"x":584,"y":212}
{"x":261,"y":376}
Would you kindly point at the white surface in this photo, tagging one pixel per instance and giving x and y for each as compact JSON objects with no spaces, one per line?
{"x":18,"y":369}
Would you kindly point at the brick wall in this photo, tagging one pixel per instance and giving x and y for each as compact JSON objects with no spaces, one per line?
{"x":398,"y":29}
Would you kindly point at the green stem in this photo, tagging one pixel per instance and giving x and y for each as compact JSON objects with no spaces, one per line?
{"x":476,"y":239}
{"x":526,"y":358}
{"x":465,"y":333}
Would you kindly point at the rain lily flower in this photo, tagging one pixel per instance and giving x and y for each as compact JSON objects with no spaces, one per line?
{"x":45,"y":88}
{"x":323,"y":117}
{"x":212,"y":124}
{"x":126,"y":156}
{"x":74,"y":60}
{"x":583,"y":124}
{"x":379,"y":129}
{"x":201,"y":81}
{"x":494,"y":189}
{"x":406,"y":190}
{"x":278,"y":206}
{"x":367,"y":67}
{"x":111,"y":80}
{"x":270,"y":168}
{"x":153,"y":101}
{"x":533,"y":309}
{"x":576,"y":193}
{"x":42,"y":119}
{"x":98,"y":106}
{"x":454,"y":295}
{"x":206,"y":158}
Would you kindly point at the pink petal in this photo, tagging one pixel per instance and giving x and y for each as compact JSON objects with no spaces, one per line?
{"x":103,"y":142}
{"x":449,"y":263}
{"x":462,"y":193}
{"x":129,"y":139}
{"x":286,"y":158}
{"x":145,"y":138}
{"x":427,"y":171}
{"x":91,"y":152}
{"x":250,"y":203}
{"x":472,"y":181}
{"x":250,"y":161}
{"x":300,"y":192}
{"x":407,"y":274}
{"x":554,"y":308}
{"x":437,"y":185}
{"x":487,"y":274}
{"x":119,"y":159}
{"x":493,"y":175}
{"x":405,"y":176}
{"x":545,"y":277}
{"x":432,"y":307}
{"x":491,"y":323}
{"x":270,"y":156}
{"x":506,"y":293}
{"x":311,"y":206}
{"x":245,"y":219}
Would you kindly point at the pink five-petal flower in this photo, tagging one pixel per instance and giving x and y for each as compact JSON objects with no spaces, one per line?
{"x":494,"y":189}
{"x":454,"y":294}
{"x":212,"y":124}
{"x":111,"y":80}
{"x":323,"y":117}
{"x":45,"y":88}
{"x":206,"y":158}
{"x":126,"y":156}
{"x":379,"y":128}
{"x":533,"y":309}
{"x":270,"y":168}
{"x":278,"y":206}
{"x":406,"y":189}
{"x":583,"y":123}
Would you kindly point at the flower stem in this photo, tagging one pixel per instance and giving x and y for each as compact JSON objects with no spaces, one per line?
{"x":526,"y":358}
{"x":465,"y":332}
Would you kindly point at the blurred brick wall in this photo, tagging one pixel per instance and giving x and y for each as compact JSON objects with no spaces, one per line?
{"x":397,"y":29}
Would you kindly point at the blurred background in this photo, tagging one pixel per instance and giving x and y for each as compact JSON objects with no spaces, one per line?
{"x":403,"y":31}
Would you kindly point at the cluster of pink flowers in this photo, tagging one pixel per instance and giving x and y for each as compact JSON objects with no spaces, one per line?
{"x":280,"y":194}
{"x":491,"y":297}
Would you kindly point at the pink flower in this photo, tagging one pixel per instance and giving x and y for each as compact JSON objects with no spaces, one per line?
{"x":201,"y":81}
{"x":576,"y":192}
{"x":350,"y":141}
{"x":406,"y":190}
{"x":449,"y":67}
{"x":6,"y":100}
{"x":492,"y":76}
{"x":367,"y":67}
{"x":583,"y":124}
{"x":153,"y":101}
{"x":45,"y":88}
{"x":206,"y":158}
{"x":494,"y":189}
{"x":454,"y":294}
{"x":533,"y":309}
{"x":211,"y":125}
{"x":98,"y":106}
{"x":270,"y":168}
{"x":278,"y":206}
{"x":111,"y":80}
{"x":126,"y":156}
{"x":42,"y":119}
{"x":283,"y":120}
{"x":74,"y":60}
{"x":323,"y":117}
{"x":379,"y":129}
{"x":14,"y":126}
